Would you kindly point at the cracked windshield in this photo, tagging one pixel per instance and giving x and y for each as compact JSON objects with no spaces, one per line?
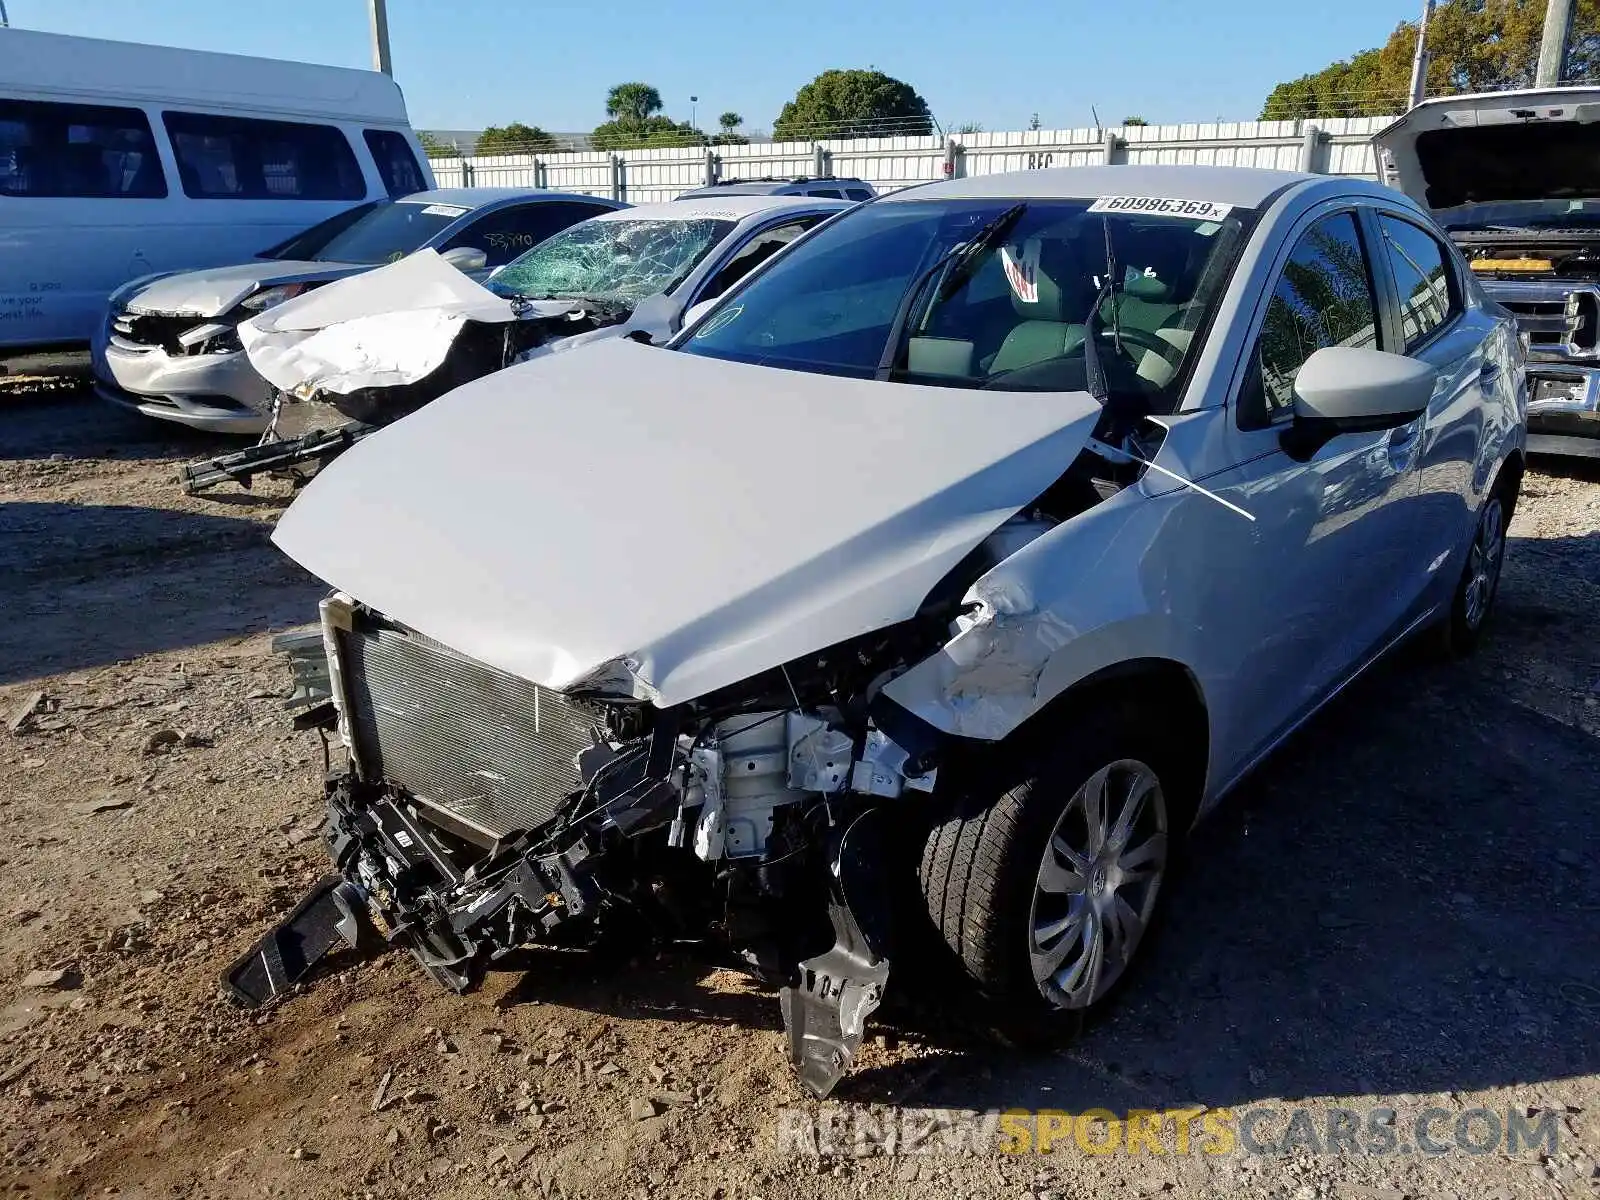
{"x":611,"y":260}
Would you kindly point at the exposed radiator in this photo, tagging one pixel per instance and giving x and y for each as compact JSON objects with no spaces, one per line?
{"x":496,"y":751}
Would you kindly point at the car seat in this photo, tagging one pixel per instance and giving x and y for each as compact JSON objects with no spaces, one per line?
{"x":1051,"y":325}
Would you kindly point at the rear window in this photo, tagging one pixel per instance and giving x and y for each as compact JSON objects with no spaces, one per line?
{"x":86,"y":150}
{"x":397,"y":166}
{"x":241,"y":158}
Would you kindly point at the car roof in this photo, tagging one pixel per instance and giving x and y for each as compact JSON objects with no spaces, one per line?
{"x":480,"y":197}
{"x":758,"y":187}
{"x":727,"y":208}
{"x":1241,"y":187}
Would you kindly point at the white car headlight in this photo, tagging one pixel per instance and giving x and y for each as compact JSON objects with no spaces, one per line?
{"x":271,"y":297}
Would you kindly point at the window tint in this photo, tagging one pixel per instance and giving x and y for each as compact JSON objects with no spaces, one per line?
{"x":1324,"y":298}
{"x":397,"y":166}
{"x":77,"y":150}
{"x":1421,"y":278}
{"x":508,"y":232}
{"x":857,"y":194}
{"x":239,"y":158}
{"x":826,"y":193}
{"x":753,"y":253}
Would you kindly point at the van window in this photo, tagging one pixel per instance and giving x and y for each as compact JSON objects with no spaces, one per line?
{"x":396,"y":164}
{"x":49,"y":149}
{"x":241,"y":158}
{"x":857,"y":194}
{"x":830,"y":193}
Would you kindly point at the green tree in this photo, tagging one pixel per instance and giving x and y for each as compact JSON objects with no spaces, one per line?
{"x":1130,"y":121}
{"x":730,"y":121}
{"x":652,"y":131}
{"x":840,"y":104}
{"x":515,"y":138}
{"x":1473,"y":45}
{"x":434,"y":148}
{"x":633,"y":102}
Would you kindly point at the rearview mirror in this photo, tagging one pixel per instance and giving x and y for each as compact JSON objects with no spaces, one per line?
{"x":1342,"y":389}
{"x":466,"y":258}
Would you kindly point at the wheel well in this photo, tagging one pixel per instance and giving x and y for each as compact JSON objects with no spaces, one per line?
{"x":1511,"y":476}
{"x":1157,"y":691}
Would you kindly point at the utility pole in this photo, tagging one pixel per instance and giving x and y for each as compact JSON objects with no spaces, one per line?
{"x":1419,"y":64}
{"x":379,"y":10}
{"x":4,"y":19}
{"x":1553,"y":47}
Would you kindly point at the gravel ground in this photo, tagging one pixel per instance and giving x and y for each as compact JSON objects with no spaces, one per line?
{"x":1399,"y":912}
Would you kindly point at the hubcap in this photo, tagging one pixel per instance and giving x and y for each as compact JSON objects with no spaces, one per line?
{"x":1483,"y":564}
{"x":1097,"y":884}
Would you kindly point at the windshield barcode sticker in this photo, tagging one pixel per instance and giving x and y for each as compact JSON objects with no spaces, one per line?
{"x":443,"y":210}
{"x":1194,"y":210}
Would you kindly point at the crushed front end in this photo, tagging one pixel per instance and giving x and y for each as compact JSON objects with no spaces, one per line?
{"x":479,"y":813}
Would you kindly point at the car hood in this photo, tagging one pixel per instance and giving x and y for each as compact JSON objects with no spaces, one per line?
{"x":385,"y":327}
{"x":217,"y":291}
{"x":696,"y":520}
{"x":1504,"y":147}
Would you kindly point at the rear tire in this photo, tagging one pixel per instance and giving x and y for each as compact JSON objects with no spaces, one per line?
{"x":1045,"y":889}
{"x":1459,"y":633}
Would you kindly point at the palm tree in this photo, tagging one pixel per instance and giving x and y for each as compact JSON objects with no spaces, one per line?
{"x":730,"y":121}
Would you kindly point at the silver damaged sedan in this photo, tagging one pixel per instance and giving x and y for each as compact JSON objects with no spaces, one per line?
{"x":942,"y":574}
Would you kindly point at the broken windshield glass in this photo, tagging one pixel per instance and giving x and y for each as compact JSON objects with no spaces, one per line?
{"x":611,"y":260}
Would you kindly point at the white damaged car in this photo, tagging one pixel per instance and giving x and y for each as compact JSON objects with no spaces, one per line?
{"x":381,"y":345}
{"x":948,"y":570}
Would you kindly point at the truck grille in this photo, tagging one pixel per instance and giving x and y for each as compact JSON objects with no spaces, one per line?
{"x":495,"y":751}
{"x":1556,"y":319}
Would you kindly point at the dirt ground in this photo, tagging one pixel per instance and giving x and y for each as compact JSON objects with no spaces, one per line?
{"x":1400,"y":911}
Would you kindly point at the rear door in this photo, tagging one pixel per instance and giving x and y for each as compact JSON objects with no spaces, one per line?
{"x":1437,"y":327}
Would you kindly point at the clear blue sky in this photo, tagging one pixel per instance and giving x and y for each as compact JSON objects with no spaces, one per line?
{"x":465,"y":64}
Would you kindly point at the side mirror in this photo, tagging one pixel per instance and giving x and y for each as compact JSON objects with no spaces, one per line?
{"x":656,"y":315}
{"x":694,"y":314}
{"x":466,"y":258}
{"x":1342,"y":389}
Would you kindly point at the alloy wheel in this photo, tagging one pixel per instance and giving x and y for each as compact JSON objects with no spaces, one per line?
{"x":1484,"y":562}
{"x":1097,"y":884}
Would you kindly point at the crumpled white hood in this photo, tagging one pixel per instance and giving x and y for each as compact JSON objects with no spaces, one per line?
{"x":383,"y":328}
{"x":704,"y":520}
{"x":215,"y":292}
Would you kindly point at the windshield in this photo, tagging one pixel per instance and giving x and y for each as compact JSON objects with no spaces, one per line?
{"x":309,"y":241}
{"x":611,"y":260}
{"x":1012,"y":313}
{"x":385,"y":233}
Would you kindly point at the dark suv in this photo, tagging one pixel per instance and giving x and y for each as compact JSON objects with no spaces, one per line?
{"x":818,"y":185}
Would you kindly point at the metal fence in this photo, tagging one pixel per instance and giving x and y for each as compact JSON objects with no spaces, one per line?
{"x":1337,"y":146}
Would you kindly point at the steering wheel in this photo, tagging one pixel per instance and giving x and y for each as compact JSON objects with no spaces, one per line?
{"x":1145,"y":339}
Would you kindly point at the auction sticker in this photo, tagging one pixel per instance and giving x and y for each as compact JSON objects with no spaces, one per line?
{"x":445,"y":210}
{"x":1158,"y":206}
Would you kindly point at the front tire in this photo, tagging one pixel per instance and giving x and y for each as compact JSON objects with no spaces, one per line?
{"x":1045,"y":891}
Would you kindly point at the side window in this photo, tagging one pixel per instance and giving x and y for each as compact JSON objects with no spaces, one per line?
{"x":753,"y":253}
{"x":241,"y":158}
{"x":397,"y":166}
{"x":51,"y":149}
{"x":857,"y":194}
{"x":826,"y":193}
{"x":1324,"y":298}
{"x":508,"y":232}
{"x":1422,"y":278}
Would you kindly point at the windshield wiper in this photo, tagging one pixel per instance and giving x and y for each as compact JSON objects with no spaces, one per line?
{"x":962,"y":260}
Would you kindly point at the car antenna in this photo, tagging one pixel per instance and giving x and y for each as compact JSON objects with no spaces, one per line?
{"x":1105,"y":448}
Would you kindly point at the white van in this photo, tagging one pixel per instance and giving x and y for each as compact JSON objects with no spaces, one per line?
{"x":120,"y":160}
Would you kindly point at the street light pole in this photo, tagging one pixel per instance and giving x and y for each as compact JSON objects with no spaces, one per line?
{"x":693,"y":101}
{"x":379,"y":12}
{"x":1553,"y":46}
{"x":1419,"y":64}
{"x":5,"y":20}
